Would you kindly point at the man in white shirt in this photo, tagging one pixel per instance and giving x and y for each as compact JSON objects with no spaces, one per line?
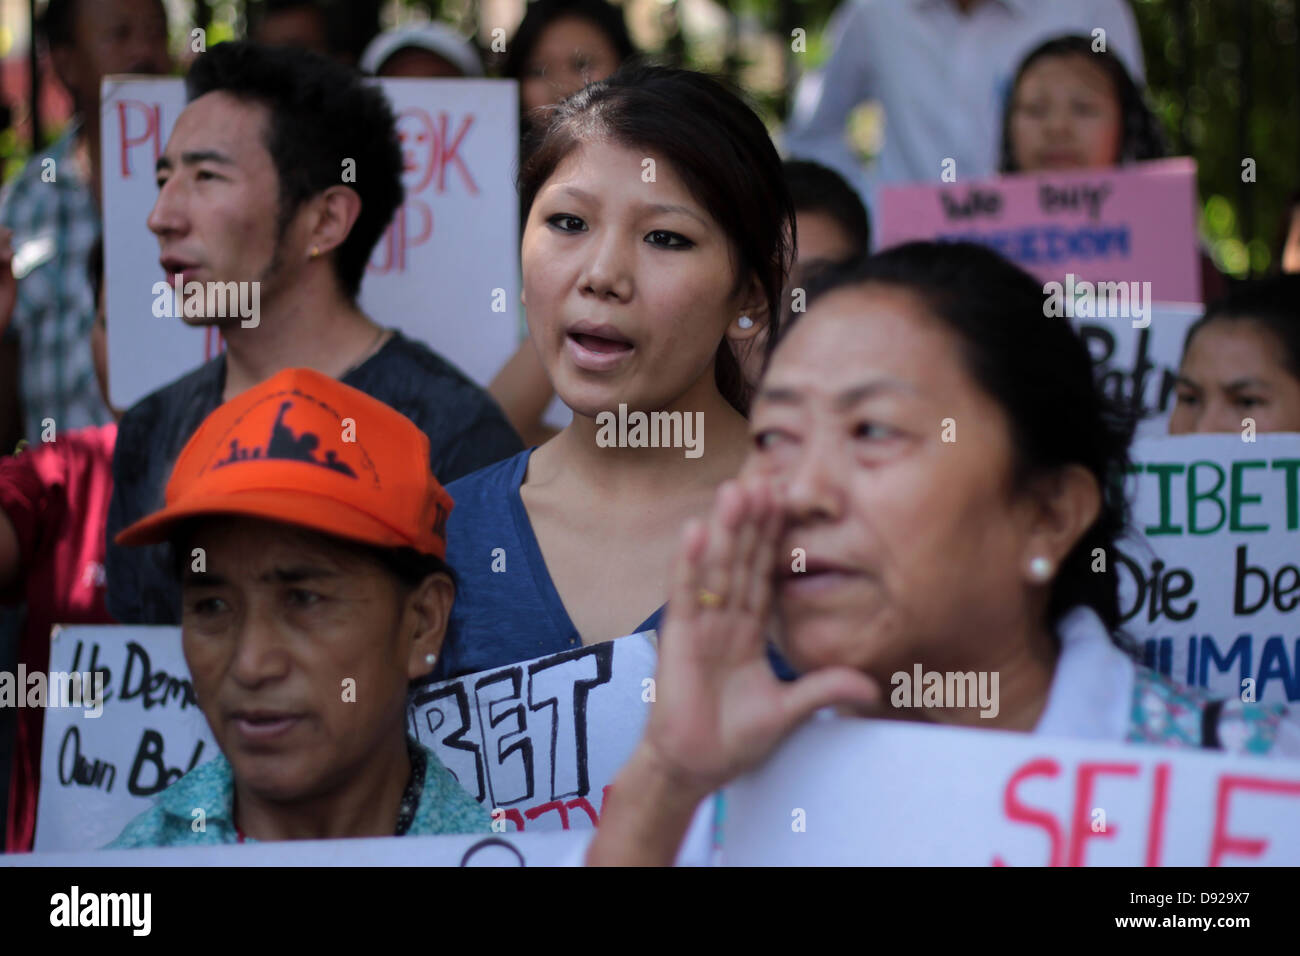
{"x":941,"y":70}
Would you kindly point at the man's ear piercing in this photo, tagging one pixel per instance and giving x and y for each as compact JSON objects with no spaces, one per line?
{"x":430,"y":659}
{"x":745,"y":322}
{"x":315,"y":251}
{"x":1040,"y":569}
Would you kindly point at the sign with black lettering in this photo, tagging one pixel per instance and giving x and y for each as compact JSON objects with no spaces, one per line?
{"x":99,"y":772}
{"x":1134,"y":224}
{"x":1138,"y":366}
{"x":1210,"y":581}
{"x":537,"y":742}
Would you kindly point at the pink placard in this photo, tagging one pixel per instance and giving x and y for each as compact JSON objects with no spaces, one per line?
{"x":1136,"y":223}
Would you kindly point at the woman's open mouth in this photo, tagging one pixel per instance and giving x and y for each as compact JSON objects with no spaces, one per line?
{"x":262,"y":726}
{"x":597,"y":348}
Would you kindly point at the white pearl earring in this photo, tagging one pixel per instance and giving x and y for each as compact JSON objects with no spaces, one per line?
{"x":745,"y":322}
{"x":1040,"y":569}
{"x":430,"y":659}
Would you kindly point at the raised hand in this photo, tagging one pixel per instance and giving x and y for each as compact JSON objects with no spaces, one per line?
{"x":720,"y":709}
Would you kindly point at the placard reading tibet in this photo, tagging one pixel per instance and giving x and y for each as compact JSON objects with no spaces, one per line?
{"x":881,"y":793}
{"x":1132,"y":224}
{"x":538,"y":742}
{"x":1210,"y":583}
{"x":444,"y":273}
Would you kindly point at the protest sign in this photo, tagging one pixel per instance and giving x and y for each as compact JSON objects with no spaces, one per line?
{"x":1210,"y":582}
{"x":539,"y":742}
{"x":1139,"y":367}
{"x":445,"y":272}
{"x":1128,"y":224}
{"x":97,"y":773}
{"x":844,"y":792}
{"x":470,"y":849}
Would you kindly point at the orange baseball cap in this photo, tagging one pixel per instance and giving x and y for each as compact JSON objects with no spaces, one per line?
{"x":304,"y":449}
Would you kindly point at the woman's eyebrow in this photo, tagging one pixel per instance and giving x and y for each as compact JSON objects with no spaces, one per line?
{"x":1240,"y":383}
{"x":671,"y":208}
{"x":846,"y":399}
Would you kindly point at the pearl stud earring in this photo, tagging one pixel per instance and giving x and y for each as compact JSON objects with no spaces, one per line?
{"x":745,"y":322}
{"x":1040,"y":569}
{"x":430,"y":659}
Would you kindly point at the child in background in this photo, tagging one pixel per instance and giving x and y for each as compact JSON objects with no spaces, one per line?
{"x":1073,"y":108}
{"x":1242,"y":360}
{"x":53,"y":508}
{"x":560,"y":47}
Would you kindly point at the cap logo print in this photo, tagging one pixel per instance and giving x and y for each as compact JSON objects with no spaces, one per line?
{"x":283,"y":443}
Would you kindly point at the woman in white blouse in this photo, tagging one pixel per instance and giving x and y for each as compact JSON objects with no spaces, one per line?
{"x":934,"y":473}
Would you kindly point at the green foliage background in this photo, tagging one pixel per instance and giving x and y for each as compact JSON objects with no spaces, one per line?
{"x":1223,"y":75}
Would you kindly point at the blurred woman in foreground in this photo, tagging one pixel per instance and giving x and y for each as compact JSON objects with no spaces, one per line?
{"x":940,"y":454}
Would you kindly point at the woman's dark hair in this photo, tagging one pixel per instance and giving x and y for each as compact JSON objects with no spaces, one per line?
{"x":818,"y":188}
{"x":321,"y":114}
{"x":605,"y":17}
{"x":720,"y":149}
{"x":1272,"y":303}
{"x":1037,"y":368}
{"x":1141,"y":137}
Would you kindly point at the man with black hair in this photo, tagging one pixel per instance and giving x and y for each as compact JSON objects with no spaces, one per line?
{"x":53,"y":208}
{"x":251,"y":190}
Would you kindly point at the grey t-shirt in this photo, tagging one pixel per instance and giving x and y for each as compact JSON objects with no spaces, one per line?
{"x":466,"y":431}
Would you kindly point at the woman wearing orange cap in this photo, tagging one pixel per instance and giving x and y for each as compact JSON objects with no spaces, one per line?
{"x":309,"y":536}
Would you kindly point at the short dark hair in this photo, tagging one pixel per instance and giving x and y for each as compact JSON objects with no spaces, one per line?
{"x":1273,"y":303}
{"x":321,"y":114}
{"x":1141,"y":136}
{"x":818,"y":188}
{"x":1038,"y":370}
{"x":540,"y":14}
{"x":722,"y":152}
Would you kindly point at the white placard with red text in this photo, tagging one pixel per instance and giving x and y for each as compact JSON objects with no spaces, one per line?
{"x":444,"y":273}
{"x":882,"y":793}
